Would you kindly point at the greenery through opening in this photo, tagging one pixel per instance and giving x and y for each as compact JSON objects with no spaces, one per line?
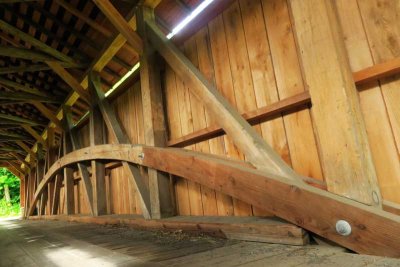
{"x":9,"y":193}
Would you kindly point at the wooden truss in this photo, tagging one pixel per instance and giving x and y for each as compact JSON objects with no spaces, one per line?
{"x":265,"y":181}
{"x":372,"y":230}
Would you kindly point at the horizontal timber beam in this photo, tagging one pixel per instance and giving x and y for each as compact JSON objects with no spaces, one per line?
{"x":373,"y":231}
{"x":253,"y":117}
{"x":377,"y":71}
{"x":270,"y":230}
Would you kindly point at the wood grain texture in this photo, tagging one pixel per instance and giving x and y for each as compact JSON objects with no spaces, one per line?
{"x":385,"y":45}
{"x":373,"y":230}
{"x":345,"y":153}
{"x":380,"y":134}
{"x":249,"y":141}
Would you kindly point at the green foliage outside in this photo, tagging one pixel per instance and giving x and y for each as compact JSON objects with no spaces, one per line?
{"x":9,"y":194}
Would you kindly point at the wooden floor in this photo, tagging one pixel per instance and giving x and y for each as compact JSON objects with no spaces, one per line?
{"x":57,"y":243}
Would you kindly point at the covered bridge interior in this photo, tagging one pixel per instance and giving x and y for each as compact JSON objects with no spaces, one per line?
{"x":209,"y":116}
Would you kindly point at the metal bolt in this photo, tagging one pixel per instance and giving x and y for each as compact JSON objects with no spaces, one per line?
{"x":343,"y":228}
{"x":141,"y":155}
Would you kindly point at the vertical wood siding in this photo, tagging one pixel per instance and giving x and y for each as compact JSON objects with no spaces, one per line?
{"x":249,"y":53}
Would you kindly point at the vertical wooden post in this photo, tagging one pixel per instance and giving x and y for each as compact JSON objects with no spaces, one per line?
{"x":154,"y":118}
{"x":51,"y":158}
{"x":344,"y":149}
{"x":98,"y":168}
{"x":27,"y":202}
{"x":58,"y":182}
{"x":68,"y":172}
{"x":22,"y":192}
{"x":116,"y":131}
{"x":40,"y":172}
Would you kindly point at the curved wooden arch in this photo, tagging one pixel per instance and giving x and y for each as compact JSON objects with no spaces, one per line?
{"x":373,"y":231}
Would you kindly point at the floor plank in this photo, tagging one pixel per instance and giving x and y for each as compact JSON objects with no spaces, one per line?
{"x":60,"y":243}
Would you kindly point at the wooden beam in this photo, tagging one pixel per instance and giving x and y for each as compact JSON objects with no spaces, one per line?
{"x":47,"y":113}
{"x":27,"y":150}
{"x":10,"y":149}
{"x":120,"y":24}
{"x":346,"y":157}
{"x":51,"y":157}
{"x":33,"y":132}
{"x":17,"y":1}
{"x":105,"y":56}
{"x":34,"y":68}
{"x":97,"y":137}
{"x":257,"y":151}
{"x":58,"y":182}
{"x":33,"y":41}
{"x":21,"y":87}
{"x":75,"y":145}
{"x":391,"y":207}
{"x":69,"y":79}
{"x":373,"y":231}
{"x":152,"y":3}
{"x":19,"y":119}
{"x":120,"y":137}
{"x":68,"y":175}
{"x":26,"y":97}
{"x":253,"y":117}
{"x":7,"y":136}
{"x":40,"y":173}
{"x":377,"y":71}
{"x":20,"y":159}
{"x":14,"y":166}
{"x":96,"y":26}
{"x":269,"y":230}
{"x":201,"y":20}
{"x":162,"y":202}
{"x":15,"y":171}
{"x":24,"y":53}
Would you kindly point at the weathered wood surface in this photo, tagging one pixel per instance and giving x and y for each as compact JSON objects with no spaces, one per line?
{"x":373,"y":231}
{"x":92,"y":245}
{"x":346,"y":157}
{"x":246,"y":138}
{"x":119,"y":136}
{"x":253,"y":117}
{"x":259,"y":229}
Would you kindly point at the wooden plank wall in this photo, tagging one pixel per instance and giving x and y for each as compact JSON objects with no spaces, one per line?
{"x":249,"y":53}
{"x":372,"y":36}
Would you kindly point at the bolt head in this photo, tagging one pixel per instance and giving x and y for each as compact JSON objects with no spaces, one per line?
{"x":343,"y":228}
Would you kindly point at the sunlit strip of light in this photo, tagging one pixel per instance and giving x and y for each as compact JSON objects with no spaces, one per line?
{"x":112,"y":89}
{"x":126,"y":76}
{"x":175,"y":31}
{"x":189,"y":18}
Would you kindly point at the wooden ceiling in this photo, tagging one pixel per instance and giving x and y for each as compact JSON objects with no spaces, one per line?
{"x":71,"y":32}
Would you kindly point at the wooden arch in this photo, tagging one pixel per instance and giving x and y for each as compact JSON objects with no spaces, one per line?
{"x":373,"y":231}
